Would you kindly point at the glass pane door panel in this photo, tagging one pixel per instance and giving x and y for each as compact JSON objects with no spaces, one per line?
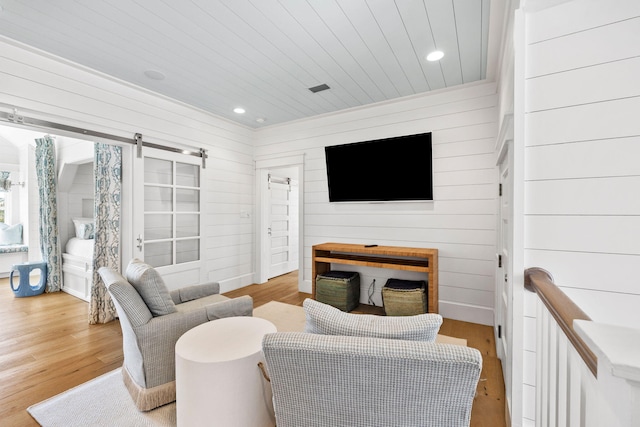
{"x":187,"y":250}
{"x":187,"y":200}
{"x":187,"y":175}
{"x":157,"y":171}
{"x":171,"y":211}
{"x":187,"y":225}
{"x":158,"y":226}
{"x":158,"y":254}
{"x":158,"y":199}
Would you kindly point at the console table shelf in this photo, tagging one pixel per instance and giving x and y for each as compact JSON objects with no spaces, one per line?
{"x":423,"y":260}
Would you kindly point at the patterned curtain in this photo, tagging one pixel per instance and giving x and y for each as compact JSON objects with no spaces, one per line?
{"x":5,"y":183}
{"x":108,"y":172}
{"x":47,"y":188}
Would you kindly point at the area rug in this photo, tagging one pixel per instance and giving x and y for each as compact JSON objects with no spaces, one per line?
{"x":101,"y":402}
{"x":105,"y":402}
{"x":286,"y":317}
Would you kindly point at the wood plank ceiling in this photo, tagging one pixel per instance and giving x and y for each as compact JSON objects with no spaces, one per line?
{"x":263,"y":55}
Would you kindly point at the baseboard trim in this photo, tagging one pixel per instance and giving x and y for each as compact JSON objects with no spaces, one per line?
{"x":75,"y":293}
{"x":236,"y":282}
{"x":305,"y":286}
{"x":467,"y":313}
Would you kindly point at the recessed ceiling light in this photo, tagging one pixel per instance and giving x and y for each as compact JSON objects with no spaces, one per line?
{"x":239,"y":110}
{"x":154,"y":75}
{"x":436,"y":55}
{"x":260,"y":120}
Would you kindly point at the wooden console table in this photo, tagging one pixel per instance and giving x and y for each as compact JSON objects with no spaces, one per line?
{"x":393,"y":257}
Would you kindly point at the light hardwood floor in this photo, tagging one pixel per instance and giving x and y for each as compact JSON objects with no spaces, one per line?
{"x":47,"y":347}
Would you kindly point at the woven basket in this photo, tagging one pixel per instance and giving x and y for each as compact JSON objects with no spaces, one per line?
{"x":340,"y":289}
{"x":404,"y":297}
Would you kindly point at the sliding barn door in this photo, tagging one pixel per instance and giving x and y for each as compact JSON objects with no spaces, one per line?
{"x":167,"y":215}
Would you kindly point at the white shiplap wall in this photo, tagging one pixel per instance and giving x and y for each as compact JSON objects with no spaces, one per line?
{"x":51,"y":89}
{"x":582,"y":174}
{"x":460,"y":222}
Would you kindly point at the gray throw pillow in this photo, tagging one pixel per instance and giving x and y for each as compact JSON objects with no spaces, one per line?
{"x":327,"y":320}
{"x":151,"y":287}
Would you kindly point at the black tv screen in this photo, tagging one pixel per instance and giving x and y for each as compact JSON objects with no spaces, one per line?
{"x":390,"y":169}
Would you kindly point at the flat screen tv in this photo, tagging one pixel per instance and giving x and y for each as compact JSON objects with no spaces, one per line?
{"x":390,"y":169}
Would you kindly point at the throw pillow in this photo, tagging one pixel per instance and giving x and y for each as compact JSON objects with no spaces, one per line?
{"x":85,"y":228}
{"x":11,"y":235}
{"x":327,"y":320}
{"x":151,"y":287}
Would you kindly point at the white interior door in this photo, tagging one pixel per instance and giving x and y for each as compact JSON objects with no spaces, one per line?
{"x":167,"y":215}
{"x":282,"y":230}
{"x":292,"y":167}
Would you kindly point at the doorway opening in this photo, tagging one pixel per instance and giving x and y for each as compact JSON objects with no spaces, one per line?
{"x":75,"y":199}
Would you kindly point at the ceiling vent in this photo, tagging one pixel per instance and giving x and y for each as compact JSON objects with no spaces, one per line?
{"x":319,"y":88}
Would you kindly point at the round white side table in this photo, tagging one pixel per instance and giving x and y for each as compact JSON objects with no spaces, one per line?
{"x":218,"y":381}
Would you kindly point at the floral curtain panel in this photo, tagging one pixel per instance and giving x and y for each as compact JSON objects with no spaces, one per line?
{"x":5,"y":183}
{"x":47,"y":188}
{"x":108,"y":181}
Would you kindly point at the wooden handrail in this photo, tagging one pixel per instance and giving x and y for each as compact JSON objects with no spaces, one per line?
{"x":563,"y":309}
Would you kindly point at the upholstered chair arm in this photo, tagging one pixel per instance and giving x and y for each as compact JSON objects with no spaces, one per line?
{"x":241,"y":306}
{"x":190,"y":293}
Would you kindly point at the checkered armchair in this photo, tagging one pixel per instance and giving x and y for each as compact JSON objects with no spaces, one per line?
{"x":152,"y":319}
{"x":331,"y":380}
{"x":370,"y":377}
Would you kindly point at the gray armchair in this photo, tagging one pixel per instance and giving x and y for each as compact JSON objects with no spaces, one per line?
{"x":364,"y":370}
{"x":346,"y":381}
{"x":152,"y":319}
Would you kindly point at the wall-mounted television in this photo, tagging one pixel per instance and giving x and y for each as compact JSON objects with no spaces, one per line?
{"x":381,"y":170}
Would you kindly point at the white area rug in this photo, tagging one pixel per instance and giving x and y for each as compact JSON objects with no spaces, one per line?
{"x":105,"y":402}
